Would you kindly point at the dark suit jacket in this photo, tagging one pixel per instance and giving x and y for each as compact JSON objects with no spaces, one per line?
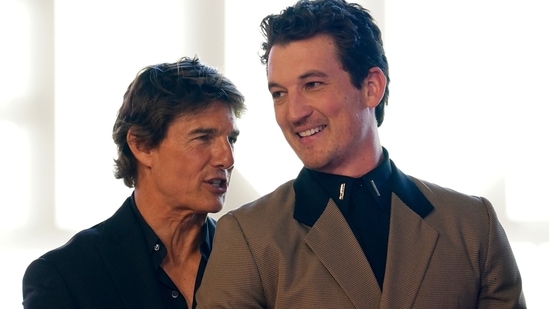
{"x":106,"y":266}
{"x":446,"y":250}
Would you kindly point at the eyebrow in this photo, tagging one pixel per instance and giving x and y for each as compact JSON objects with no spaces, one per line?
{"x":235,"y":133}
{"x":202,"y":130}
{"x":311,"y":73}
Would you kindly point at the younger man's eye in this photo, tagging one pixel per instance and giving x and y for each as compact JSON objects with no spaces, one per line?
{"x":312,"y":84}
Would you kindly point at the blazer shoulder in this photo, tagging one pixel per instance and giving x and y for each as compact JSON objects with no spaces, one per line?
{"x":272,"y":211}
{"x":77,"y":246}
{"x":82,"y":246}
{"x":447,"y":196}
{"x":279,"y":202}
{"x":455,"y":210}
{"x":99,"y":267}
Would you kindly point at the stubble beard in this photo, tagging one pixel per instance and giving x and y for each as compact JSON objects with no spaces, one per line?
{"x":316,"y":159}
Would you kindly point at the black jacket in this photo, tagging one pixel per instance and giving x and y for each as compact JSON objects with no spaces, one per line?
{"x":106,"y":266}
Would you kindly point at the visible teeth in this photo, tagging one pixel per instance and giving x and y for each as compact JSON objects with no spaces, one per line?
{"x":311,"y":131}
{"x":216,"y":182}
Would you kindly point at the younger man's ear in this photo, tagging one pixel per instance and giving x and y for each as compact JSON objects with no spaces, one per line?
{"x":374,"y":86}
{"x":140,"y":151}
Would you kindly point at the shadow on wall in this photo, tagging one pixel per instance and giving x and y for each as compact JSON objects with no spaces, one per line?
{"x":240,"y":192}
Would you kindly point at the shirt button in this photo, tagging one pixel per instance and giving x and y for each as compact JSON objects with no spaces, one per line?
{"x":156,"y":247}
{"x":175,"y":294}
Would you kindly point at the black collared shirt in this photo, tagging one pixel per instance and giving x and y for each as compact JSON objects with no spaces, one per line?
{"x":365,"y":203}
{"x":170,"y":294}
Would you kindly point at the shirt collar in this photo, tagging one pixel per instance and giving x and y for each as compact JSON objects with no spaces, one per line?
{"x":312,"y":195}
{"x":339,"y":187}
{"x":314,"y":189}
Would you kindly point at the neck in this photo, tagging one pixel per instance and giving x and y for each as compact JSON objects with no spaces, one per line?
{"x":366,"y":157}
{"x":363,"y":163}
{"x":179,"y":230}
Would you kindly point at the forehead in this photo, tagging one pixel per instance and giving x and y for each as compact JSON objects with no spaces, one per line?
{"x":215,"y":114}
{"x":316,"y":53}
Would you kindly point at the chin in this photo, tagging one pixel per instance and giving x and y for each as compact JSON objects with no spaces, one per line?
{"x":214,"y":211}
{"x":313,"y":163}
{"x":216,"y":208}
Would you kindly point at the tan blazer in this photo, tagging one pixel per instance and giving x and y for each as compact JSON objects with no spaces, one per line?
{"x":458,"y":256}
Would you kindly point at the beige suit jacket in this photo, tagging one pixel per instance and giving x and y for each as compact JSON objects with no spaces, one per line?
{"x":458,"y":256}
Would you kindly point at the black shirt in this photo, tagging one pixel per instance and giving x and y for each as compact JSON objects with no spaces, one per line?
{"x":365,"y":203}
{"x":171,"y":297}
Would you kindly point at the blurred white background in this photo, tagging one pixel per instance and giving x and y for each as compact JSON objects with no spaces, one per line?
{"x":467,"y":109}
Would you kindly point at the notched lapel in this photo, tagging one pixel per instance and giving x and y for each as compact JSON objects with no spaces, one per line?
{"x":411,"y":245}
{"x":335,"y":245}
{"x":125,"y":256}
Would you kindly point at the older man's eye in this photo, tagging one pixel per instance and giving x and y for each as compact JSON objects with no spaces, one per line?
{"x":276,"y":95}
{"x":204,"y":137}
